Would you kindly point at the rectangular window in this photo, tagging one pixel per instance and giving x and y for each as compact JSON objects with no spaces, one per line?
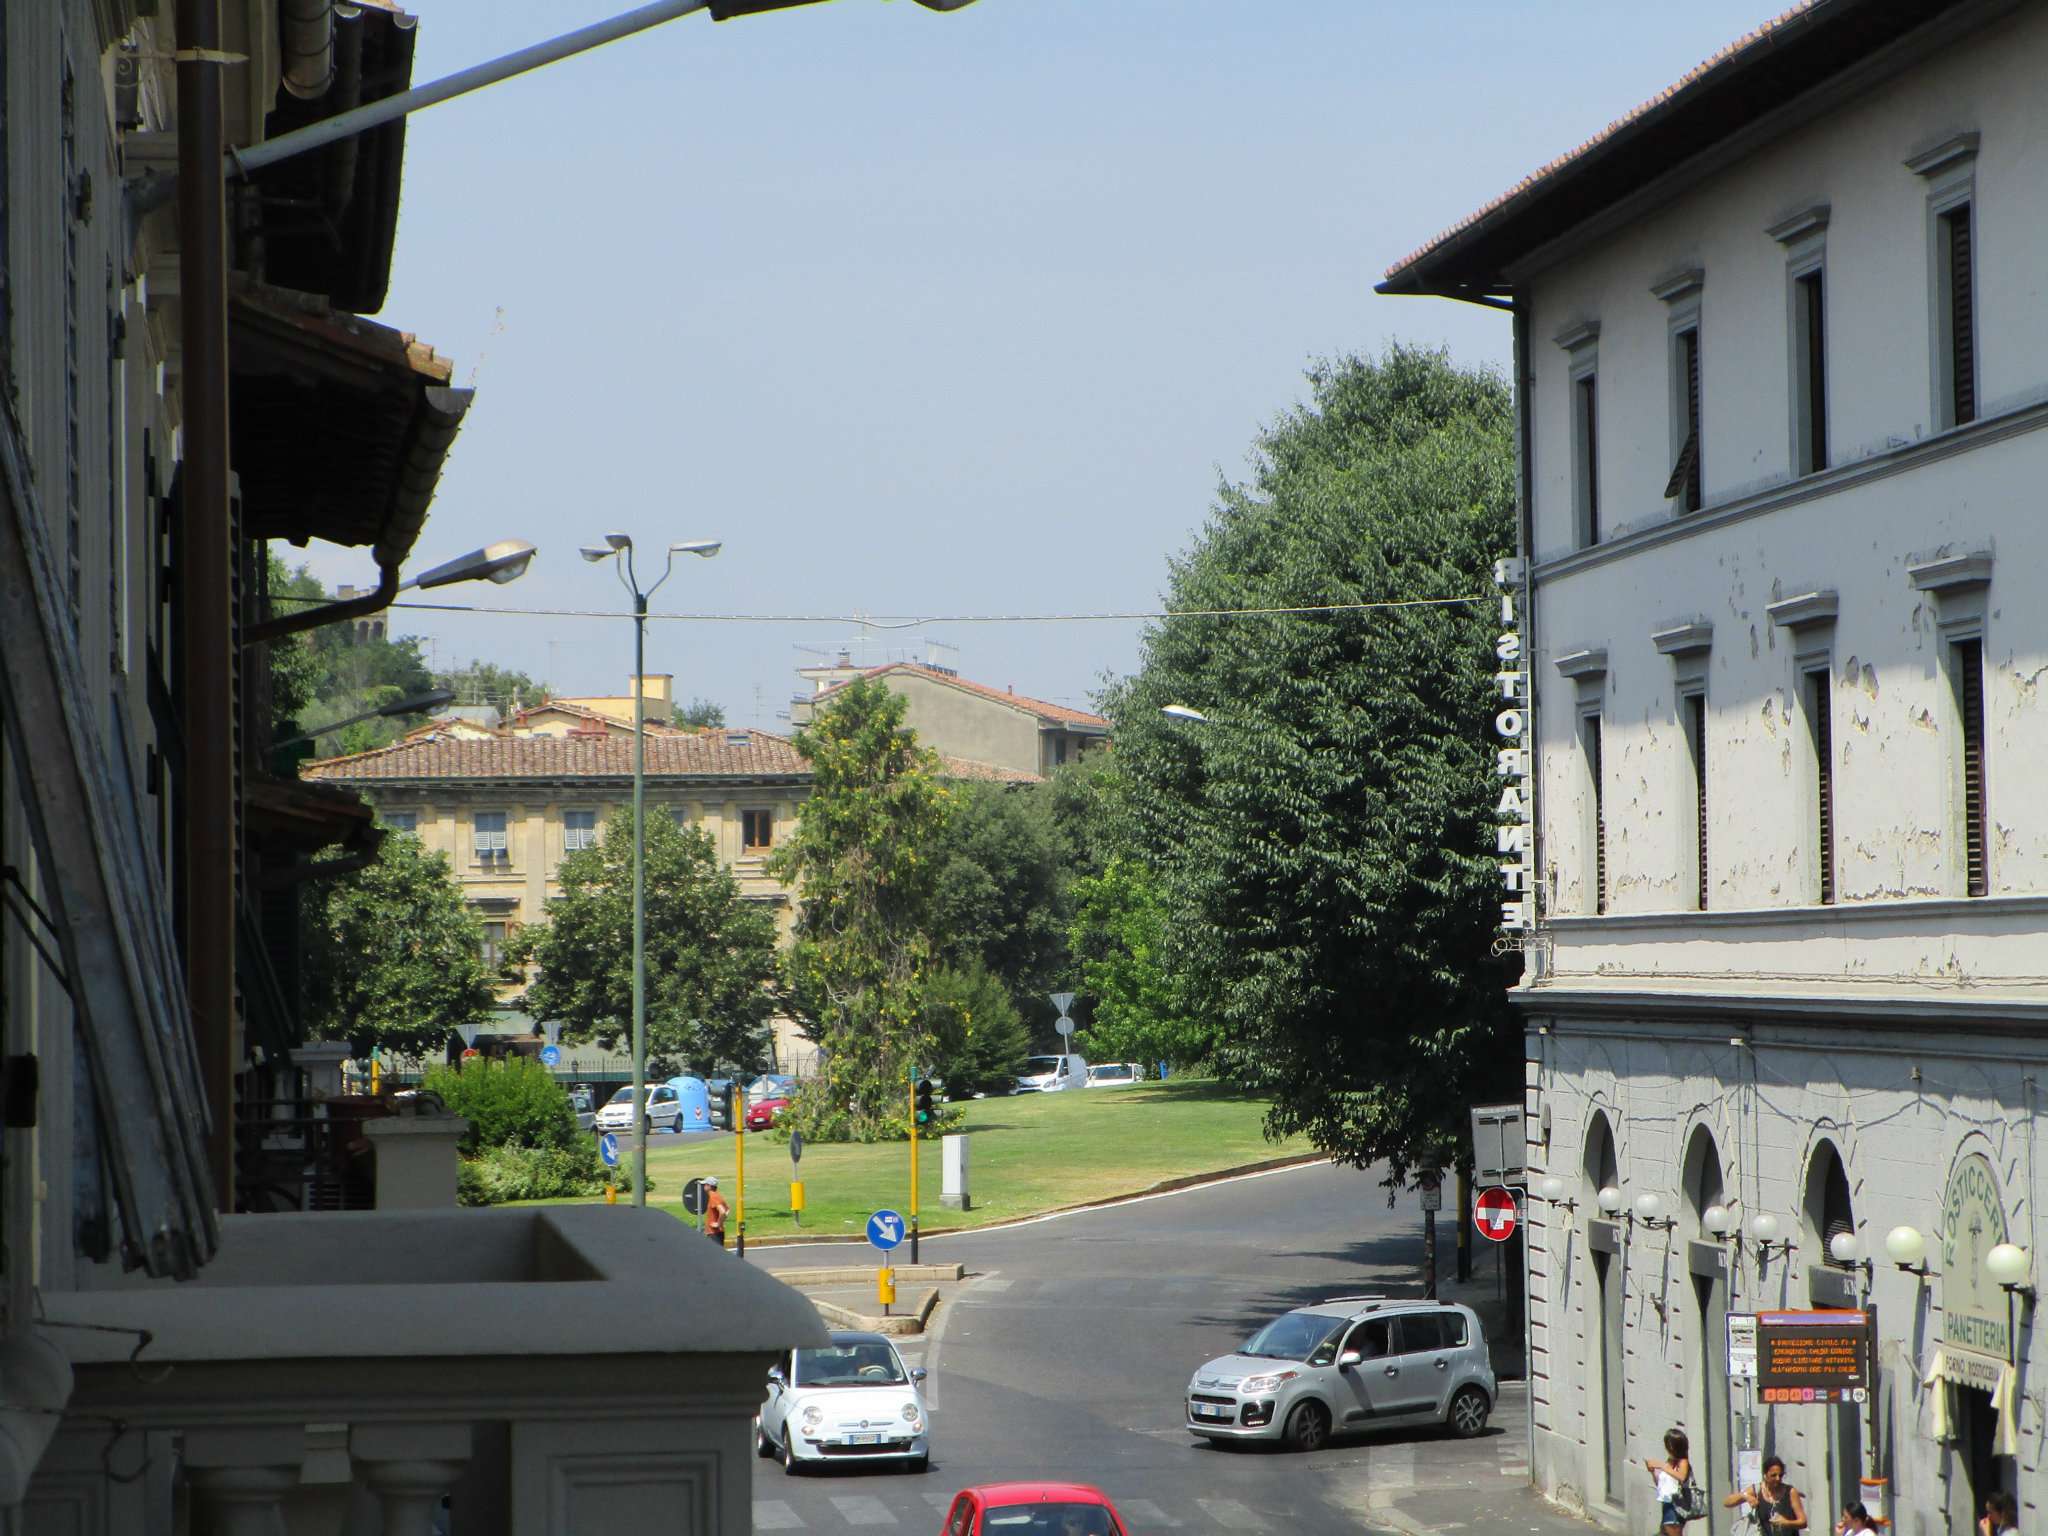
{"x":403,"y":821}
{"x":1586,"y":436}
{"x":1967,"y":675}
{"x":1696,"y":746}
{"x":493,"y":948}
{"x":1811,"y":383}
{"x":1956,"y":302}
{"x":1685,"y":484}
{"x":1820,"y":720}
{"x":579,"y":830}
{"x":757,"y":830}
{"x":1589,"y":736}
{"x":490,"y":838}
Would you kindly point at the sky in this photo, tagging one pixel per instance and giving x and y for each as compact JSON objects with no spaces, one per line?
{"x":933,"y":314}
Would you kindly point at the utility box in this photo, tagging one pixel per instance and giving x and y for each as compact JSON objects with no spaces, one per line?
{"x":953,"y":1188}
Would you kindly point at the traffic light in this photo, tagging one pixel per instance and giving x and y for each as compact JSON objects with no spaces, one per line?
{"x":921,"y":1113}
{"x":735,"y":1107}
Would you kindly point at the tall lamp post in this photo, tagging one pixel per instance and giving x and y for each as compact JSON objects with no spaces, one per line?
{"x":618,"y":544}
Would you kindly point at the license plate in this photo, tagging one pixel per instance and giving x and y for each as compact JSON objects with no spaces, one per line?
{"x":1210,"y":1411}
{"x":863,"y":1439}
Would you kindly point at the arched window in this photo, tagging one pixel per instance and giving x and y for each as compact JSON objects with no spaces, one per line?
{"x":1602,"y":1166}
{"x":1703,"y":1186}
{"x":1828,"y":1210}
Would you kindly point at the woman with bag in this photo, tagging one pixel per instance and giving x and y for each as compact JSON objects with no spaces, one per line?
{"x":1673,"y":1476}
{"x":1775,"y":1504}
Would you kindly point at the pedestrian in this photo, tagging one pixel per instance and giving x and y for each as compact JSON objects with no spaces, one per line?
{"x":1855,"y":1520}
{"x":1673,"y":1476}
{"x":2001,"y":1515}
{"x":714,"y":1211}
{"x":1777,"y":1505}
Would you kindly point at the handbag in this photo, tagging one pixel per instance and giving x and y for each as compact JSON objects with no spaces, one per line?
{"x":1691,"y":1503}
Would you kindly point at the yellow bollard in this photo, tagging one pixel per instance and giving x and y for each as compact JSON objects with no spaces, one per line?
{"x":611,"y":1194}
{"x":796,"y":1196}
{"x":885,"y":1287}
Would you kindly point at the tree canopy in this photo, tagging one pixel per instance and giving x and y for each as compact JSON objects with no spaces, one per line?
{"x":1001,"y":893}
{"x":699,"y":715}
{"x":1321,"y":846}
{"x":393,"y":954}
{"x":710,"y":952}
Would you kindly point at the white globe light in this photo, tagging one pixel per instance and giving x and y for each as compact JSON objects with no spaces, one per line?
{"x":1905,"y":1245}
{"x":1763,"y":1226}
{"x":1844,"y":1249}
{"x":1610,"y":1199}
{"x":1718,"y":1220}
{"x":2008,"y":1264}
{"x":1649,"y":1207}
{"x":1550,"y":1187}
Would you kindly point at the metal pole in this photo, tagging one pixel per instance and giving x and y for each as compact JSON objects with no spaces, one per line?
{"x":639,"y":897}
{"x":913,"y":1171}
{"x":739,"y":1156}
{"x":375,"y":114}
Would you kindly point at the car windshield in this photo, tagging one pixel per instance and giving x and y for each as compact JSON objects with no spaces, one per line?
{"x":1049,"y":1520}
{"x":1040,"y":1066}
{"x":849,"y":1365}
{"x":623,"y":1096}
{"x":1292,"y":1337}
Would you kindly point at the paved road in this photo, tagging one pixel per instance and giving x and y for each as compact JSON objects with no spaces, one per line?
{"x":1068,"y":1353}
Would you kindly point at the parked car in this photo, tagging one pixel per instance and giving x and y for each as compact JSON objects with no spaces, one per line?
{"x":1033,"y":1509}
{"x":764,"y":1114}
{"x":1052,"y":1074}
{"x":771,"y":1085}
{"x":1354,"y":1362}
{"x":1115,"y":1074}
{"x":851,"y":1400}
{"x":583,"y":1105}
{"x":664,"y":1110}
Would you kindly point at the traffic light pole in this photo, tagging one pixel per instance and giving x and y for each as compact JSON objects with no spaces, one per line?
{"x":739,"y":1154}
{"x":913,"y":1171}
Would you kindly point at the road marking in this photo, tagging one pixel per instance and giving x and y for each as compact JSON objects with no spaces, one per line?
{"x":991,"y":1283}
{"x":774,"y":1515}
{"x":1145,"y":1511}
{"x":860,"y":1509}
{"x":1391,"y":1467}
{"x":1231,"y":1515}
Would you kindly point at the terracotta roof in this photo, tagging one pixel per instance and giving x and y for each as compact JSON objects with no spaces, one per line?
{"x":1754,"y":75}
{"x":1056,"y":714}
{"x":719,"y":753}
{"x":585,"y":712}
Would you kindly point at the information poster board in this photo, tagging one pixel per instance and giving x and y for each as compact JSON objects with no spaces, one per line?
{"x":1813,"y":1357}
{"x":1742,"y":1346}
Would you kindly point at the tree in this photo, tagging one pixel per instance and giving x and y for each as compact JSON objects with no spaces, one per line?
{"x":483,"y":682}
{"x":1137,"y":1009}
{"x":710,"y":953}
{"x":863,"y":857}
{"x":977,"y":1037}
{"x":1322,"y":847}
{"x":700,"y":715}
{"x":1000,"y":895}
{"x":330,"y":673}
{"x":393,"y":954}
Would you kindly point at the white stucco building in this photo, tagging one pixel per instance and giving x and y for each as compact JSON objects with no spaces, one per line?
{"x":1782,"y":364}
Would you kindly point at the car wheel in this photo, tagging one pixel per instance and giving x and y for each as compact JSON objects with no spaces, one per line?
{"x":1468,"y":1413}
{"x":647,"y":1125}
{"x":791,"y":1467}
{"x":763,"y":1446}
{"x":1308,"y":1427}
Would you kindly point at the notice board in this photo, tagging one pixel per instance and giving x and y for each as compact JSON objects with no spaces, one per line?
{"x":1813,"y":1357}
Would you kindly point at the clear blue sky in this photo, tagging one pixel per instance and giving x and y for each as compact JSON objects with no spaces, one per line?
{"x":930,"y":313}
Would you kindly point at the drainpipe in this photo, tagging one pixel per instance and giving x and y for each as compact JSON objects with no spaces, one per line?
{"x":328,"y":613}
{"x":205,"y":644}
{"x":308,"y":47}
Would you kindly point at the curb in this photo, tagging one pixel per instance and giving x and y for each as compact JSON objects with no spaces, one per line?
{"x":898,"y":1325}
{"x":1163,"y":1187}
{"x":861,"y":1274}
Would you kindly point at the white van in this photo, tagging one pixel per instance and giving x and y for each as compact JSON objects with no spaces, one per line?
{"x":1051,"y":1074}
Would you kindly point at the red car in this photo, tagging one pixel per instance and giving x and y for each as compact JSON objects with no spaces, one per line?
{"x":762,"y":1115}
{"x":1033,"y":1509}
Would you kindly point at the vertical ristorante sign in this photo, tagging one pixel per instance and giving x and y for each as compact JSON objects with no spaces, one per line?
{"x":1511,"y":732}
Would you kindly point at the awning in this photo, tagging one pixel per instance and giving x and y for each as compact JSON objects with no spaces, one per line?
{"x":1952,"y":1367}
{"x":340,"y":425}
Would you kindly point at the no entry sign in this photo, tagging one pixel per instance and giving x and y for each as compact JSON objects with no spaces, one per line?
{"x":1493,"y":1213}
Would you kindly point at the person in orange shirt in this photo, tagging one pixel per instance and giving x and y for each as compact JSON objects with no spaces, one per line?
{"x":714,"y":1212}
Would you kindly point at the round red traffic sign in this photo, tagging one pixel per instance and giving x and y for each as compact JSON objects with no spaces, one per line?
{"x":1493,"y":1213}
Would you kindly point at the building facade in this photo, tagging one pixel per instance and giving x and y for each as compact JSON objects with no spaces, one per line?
{"x":1782,"y":387}
{"x":963,"y":719}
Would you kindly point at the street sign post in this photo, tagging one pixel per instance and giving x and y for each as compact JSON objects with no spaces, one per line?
{"x":693,"y":1197}
{"x":1063,"y":1001}
{"x":886,"y":1229}
{"x":551,"y":1055}
{"x":1431,"y":1184}
{"x":1742,"y":1347}
{"x":1493,"y":1213}
{"x":1499,"y":1151}
{"x":608,"y":1149}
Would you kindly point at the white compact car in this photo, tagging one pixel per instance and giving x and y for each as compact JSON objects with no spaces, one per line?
{"x":850,"y":1401}
{"x":1052,"y":1074}
{"x":1115,"y":1074}
{"x":664,"y":1110}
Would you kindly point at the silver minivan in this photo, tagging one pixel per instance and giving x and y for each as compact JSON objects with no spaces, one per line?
{"x":1354,"y":1362}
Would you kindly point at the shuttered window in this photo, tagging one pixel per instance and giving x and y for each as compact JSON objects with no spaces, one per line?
{"x":1821,"y":722}
{"x":489,"y":838}
{"x":1810,"y":309}
{"x":1968,"y":660}
{"x":1590,"y":727}
{"x":1696,"y":733}
{"x":1589,"y":458}
{"x":1959,"y":314}
{"x":1685,"y":481}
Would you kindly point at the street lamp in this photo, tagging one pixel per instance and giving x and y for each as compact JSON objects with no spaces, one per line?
{"x":417,"y":704}
{"x":501,"y":562}
{"x":622,"y":545}
{"x":1184,"y":712}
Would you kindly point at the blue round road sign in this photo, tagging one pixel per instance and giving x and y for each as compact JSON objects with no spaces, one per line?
{"x":608,"y":1149}
{"x":551,"y":1055}
{"x":885,"y":1229}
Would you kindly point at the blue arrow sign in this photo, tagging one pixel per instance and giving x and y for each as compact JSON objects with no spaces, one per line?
{"x":608,"y":1149}
{"x":885,"y":1229}
{"x":551,"y":1055}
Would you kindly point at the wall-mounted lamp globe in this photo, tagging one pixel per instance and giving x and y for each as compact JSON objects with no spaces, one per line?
{"x":2011,"y":1265}
{"x":1610,"y":1200}
{"x":1718,"y":1220}
{"x":1907,"y":1249}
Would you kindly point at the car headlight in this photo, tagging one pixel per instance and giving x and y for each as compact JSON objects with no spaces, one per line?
{"x":812,"y":1415}
{"x":1267,"y":1383}
{"x":910,"y":1414}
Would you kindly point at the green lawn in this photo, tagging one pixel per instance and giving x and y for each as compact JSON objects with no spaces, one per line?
{"x":1030,"y":1153}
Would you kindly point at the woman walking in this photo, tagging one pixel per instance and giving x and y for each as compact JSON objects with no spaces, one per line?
{"x":1672,"y":1475}
{"x":1777,"y":1504}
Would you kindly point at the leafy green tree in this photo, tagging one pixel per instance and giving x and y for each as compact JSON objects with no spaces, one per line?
{"x":700,"y":715}
{"x":1001,"y":894}
{"x":393,"y":954}
{"x":1137,"y":1009}
{"x":977,"y":1036}
{"x":295,"y":672}
{"x":510,"y":1103}
{"x":483,"y":682}
{"x":330,"y":674}
{"x":863,"y":859}
{"x":710,"y":953}
{"x":1323,"y":846}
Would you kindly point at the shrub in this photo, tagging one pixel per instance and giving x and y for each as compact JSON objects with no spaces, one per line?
{"x":515,"y":1103}
{"x":506,"y":1173}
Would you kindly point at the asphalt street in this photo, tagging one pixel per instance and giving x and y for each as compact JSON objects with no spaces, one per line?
{"x":1067,"y":1352}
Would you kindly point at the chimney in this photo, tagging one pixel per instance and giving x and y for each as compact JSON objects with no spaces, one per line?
{"x":658,"y":687}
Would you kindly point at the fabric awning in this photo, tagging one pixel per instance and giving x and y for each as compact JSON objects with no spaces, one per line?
{"x":1952,"y":1367}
